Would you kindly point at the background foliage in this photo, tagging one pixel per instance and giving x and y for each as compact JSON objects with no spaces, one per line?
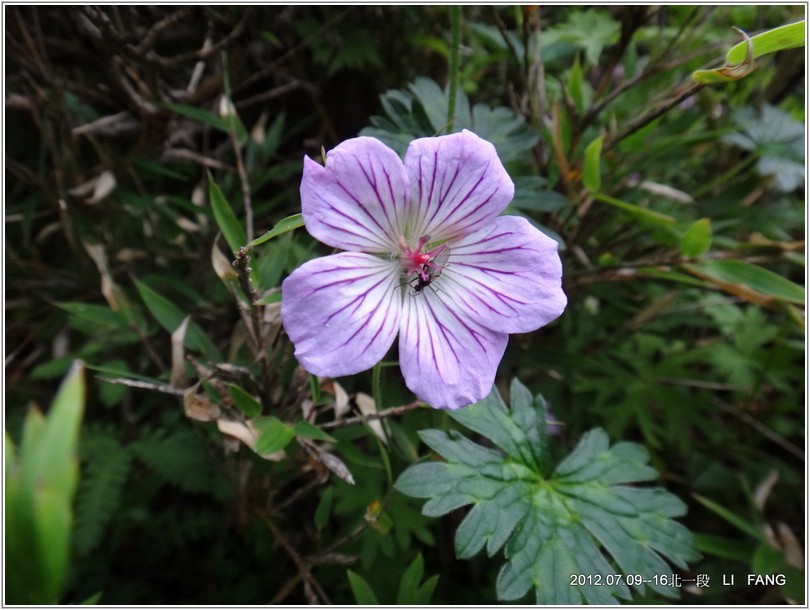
{"x":212,"y":470}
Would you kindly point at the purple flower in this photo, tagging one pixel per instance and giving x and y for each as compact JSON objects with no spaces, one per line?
{"x":427,"y":258}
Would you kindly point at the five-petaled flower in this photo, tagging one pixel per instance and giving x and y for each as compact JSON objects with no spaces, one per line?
{"x":426,"y":257}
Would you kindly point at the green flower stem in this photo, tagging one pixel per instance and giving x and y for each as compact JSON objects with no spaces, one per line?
{"x":376,"y":390}
{"x":455,"y":52}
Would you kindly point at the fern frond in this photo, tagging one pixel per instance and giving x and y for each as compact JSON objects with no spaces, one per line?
{"x":180,"y":459}
{"x":106,"y":470}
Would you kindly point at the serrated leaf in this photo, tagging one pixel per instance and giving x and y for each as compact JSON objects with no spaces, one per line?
{"x":422,"y":111}
{"x":584,"y":517}
{"x":181,"y":459}
{"x":590,"y":30}
{"x":99,"y":493}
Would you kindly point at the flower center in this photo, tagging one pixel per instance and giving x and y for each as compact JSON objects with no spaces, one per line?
{"x":413,"y":259}
{"x":424,"y":266}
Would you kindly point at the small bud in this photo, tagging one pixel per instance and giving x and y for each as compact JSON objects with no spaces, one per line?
{"x":226,"y":107}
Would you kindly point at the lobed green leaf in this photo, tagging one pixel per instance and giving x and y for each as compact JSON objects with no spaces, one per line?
{"x":584,"y":517}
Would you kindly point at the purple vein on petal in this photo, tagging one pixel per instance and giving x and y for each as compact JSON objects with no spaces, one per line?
{"x":432,"y":341}
{"x":470,"y":215}
{"x":362,"y":324}
{"x":371,"y":178}
{"x":352,"y":280}
{"x":446,"y":330}
{"x":367,"y":234}
{"x":363,"y":244}
{"x":363,"y":208}
{"x":465,"y":286}
{"x":414,"y":326}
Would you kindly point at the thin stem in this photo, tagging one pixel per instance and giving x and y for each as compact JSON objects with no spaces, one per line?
{"x":653,"y":114}
{"x":299,"y":562}
{"x":241,"y":264}
{"x":455,"y":52}
{"x":376,"y":390}
{"x":233,"y":121}
{"x":364,"y":418}
{"x":243,"y":179}
{"x":725,"y":177}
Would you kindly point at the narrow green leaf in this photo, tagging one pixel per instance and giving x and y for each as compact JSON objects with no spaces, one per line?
{"x":575,"y":85}
{"x":10,"y":452}
{"x":641,"y":213}
{"x":424,"y":595}
{"x":591,"y":176}
{"x":53,"y":517}
{"x":778,"y":39}
{"x":274,"y":434}
{"x":92,"y":600}
{"x":48,"y":457}
{"x":307,"y":430}
{"x":97,"y":314}
{"x":730,"y":71}
{"x":697,"y":239}
{"x":274,"y":297}
{"x":754,"y":277}
{"x":282,"y":226}
{"x":201,"y":115}
{"x":409,"y":583}
{"x":226,"y":219}
{"x":39,"y":497}
{"x":115,"y":371}
{"x":744,"y":526}
{"x":723,"y":546}
{"x":169,"y":316}
{"x":324,"y":508}
{"x":246,"y":403}
{"x":363,"y":594}
{"x":740,"y":58}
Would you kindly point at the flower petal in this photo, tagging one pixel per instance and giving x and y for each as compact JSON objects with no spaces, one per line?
{"x":357,"y":201}
{"x":448,"y":360}
{"x":341,"y":312}
{"x":457,"y":182}
{"x":506,"y":276}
